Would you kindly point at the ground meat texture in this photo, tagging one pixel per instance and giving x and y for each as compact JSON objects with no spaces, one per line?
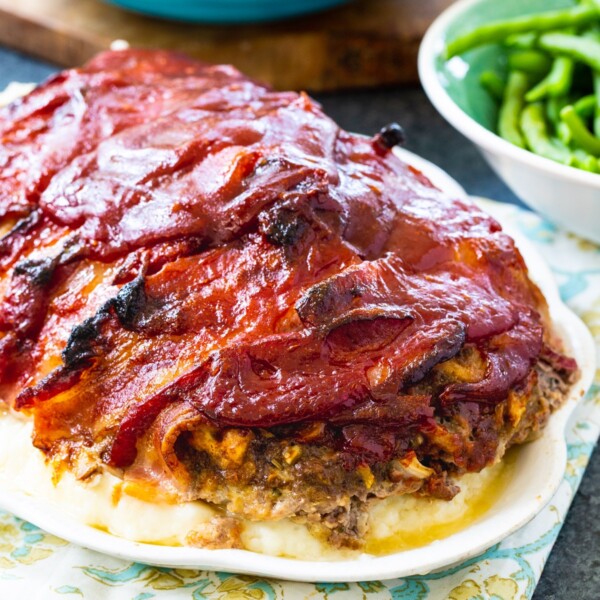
{"x":279,"y":474}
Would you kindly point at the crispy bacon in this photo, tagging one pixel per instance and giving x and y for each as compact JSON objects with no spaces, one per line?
{"x":203,"y":250}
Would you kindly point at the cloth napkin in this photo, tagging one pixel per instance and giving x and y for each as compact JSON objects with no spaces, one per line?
{"x":39,"y":566}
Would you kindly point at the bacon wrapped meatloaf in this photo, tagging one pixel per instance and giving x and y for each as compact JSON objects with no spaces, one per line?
{"x":211,"y":290}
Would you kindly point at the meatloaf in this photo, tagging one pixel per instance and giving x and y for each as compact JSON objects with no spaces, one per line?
{"x":211,"y":290}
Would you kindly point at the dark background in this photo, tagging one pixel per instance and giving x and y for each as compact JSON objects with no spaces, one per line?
{"x":573,"y":569}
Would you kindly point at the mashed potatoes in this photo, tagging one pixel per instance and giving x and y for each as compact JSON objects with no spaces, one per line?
{"x":397,"y":523}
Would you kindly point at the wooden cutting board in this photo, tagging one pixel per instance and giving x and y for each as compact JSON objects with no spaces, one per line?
{"x":366,"y":43}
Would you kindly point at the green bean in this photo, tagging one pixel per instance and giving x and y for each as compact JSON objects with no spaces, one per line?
{"x":593,"y":33}
{"x":522,"y":41}
{"x":581,"y":136}
{"x":493,"y":84}
{"x":585,"y":161}
{"x":512,"y":105}
{"x":535,"y":132}
{"x":497,"y":31}
{"x":556,"y":83}
{"x":564,"y":133}
{"x":533,"y":62}
{"x":585,"y":106}
{"x":553,"y":107}
{"x":579,"y":48}
{"x":596,"y":79}
{"x":594,"y":3}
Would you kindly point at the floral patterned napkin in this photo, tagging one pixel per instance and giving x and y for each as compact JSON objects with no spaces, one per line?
{"x":36,"y":565}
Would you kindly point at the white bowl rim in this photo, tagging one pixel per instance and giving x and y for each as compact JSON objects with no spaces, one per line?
{"x":428,"y":52}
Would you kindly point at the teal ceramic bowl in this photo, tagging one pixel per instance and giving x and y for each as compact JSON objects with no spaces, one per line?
{"x":565,"y":195}
{"x":226,"y":11}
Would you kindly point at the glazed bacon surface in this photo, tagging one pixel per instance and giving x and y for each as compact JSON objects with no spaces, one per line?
{"x":186,"y":251}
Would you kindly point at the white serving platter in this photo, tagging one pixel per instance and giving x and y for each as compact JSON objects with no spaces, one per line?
{"x":538,"y":470}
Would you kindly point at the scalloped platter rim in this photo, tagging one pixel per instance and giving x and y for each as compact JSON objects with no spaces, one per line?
{"x":531,"y":487}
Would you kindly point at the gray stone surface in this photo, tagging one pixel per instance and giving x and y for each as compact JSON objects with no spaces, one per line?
{"x":573,"y":570}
